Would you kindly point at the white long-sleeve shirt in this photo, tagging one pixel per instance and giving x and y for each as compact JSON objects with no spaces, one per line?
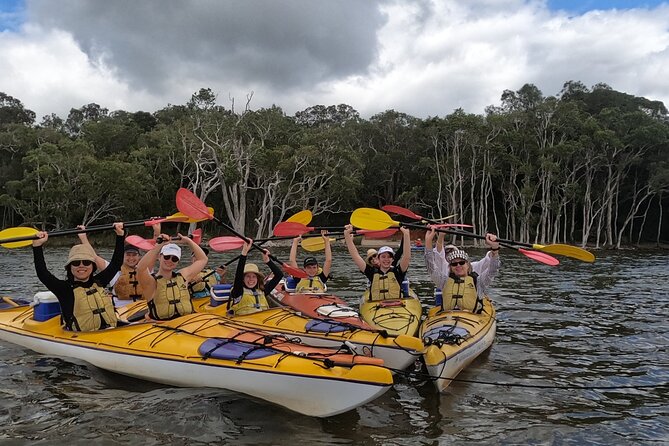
{"x":439,"y":269}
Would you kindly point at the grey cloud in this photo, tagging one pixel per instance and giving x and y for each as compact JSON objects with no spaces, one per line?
{"x":281,"y":44}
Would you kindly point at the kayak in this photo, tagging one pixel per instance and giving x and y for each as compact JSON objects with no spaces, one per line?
{"x":454,"y":339}
{"x":201,"y":350}
{"x":323,"y":306}
{"x":396,"y":316}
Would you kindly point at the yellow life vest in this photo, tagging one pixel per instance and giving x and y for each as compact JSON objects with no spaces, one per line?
{"x":312,"y":284}
{"x":459,"y":293}
{"x":384,"y":287}
{"x":172,"y":298}
{"x":201,"y":289}
{"x":93,"y":309}
{"x":251,"y":301}
{"x":127,"y":286}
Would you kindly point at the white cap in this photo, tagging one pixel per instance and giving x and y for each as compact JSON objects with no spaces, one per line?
{"x":171,"y":250}
{"x":385,"y":249}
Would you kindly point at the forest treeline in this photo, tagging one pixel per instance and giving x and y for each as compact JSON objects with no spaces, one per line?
{"x":586,"y":166}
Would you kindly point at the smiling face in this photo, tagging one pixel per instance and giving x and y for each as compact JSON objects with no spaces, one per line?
{"x":81,"y":270}
{"x":311,"y":270}
{"x":250,"y":280}
{"x":131,"y":258}
{"x":168,"y":262}
{"x":385,"y":260}
{"x":459,"y":267}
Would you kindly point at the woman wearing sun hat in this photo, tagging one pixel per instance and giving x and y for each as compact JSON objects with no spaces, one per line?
{"x":166,"y":292}
{"x":463,"y":286}
{"x":85,"y":306}
{"x":249,"y":292}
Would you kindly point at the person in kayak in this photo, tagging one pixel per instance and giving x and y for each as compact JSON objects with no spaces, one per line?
{"x":249,"y":292}
{"x":166,"y":291}
{"x":385,"y":278}
{"x":463,"y":284}
{"x":200,"y":285}
{"x":318,"y":277}
{"x":84,"y":303}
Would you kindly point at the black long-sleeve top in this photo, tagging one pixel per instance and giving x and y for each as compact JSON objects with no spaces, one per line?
{"x":238,"y":285}
{"x":64,"y":289}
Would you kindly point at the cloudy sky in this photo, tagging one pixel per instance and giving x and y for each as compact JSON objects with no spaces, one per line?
{"x":421,"y":57}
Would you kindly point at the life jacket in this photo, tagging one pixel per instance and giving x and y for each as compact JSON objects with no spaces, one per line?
{"x":203,"y":288}
{"x":459,"y":293}
{"x":127,"y":286}
{"x":251,"y":301}
{"x":172,"y":298}
{"x":384,"y":286}
{"x":312,"y":283}
{"x":93,"y":309}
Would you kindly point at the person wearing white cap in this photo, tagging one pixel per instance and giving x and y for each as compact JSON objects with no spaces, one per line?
{"x":385,"y":278}
{"x":463,"y":284}
{"x":85,"y":306}
{"x":166,"y":292}
{"x":249,"y":292}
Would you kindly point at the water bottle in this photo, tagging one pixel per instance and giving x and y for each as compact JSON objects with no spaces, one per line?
{"x":438,"y":297}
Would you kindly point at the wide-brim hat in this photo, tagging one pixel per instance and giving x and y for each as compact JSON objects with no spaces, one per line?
{"x":371,"y":252}
{"x":80,"y":252}
{"x":253,"y":268}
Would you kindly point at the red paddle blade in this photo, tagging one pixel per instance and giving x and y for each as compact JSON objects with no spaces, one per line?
{"x":140,"y":242}
{"x":220,"y":244}
{"x":155,"y":221}
{"x":540,"y":257}
{"x":295,"y":272}
{"x":452,"y":225}
{"x":190,"y":205}
{"x":197,"y":235}
{"x":384,"y":233}
{"x":290,"y":229}
{"x":401,"y":211}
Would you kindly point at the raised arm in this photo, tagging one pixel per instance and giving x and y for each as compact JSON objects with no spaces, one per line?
{"x":146,"y":264}
{"x":100,"y":263}
{"x":198,"y":264}
{"x":352,"y":250}
{"x":293,"y":252}
{"x":406,"y":250}
{"x":107,"y":274}
{"x":327,"y":266}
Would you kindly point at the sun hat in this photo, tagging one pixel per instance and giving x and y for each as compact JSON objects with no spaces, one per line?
{"x":253,"y":268}
{"x":371,"y":252}
{"x":310,"y":261}
{"x":385,"y":249}
{"x":171,"y":249}
{"x":80,"y":252}
{"x":457,"y":254}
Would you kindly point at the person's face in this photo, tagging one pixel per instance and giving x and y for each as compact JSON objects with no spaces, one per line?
{"x":168,"y":262}
{"x":459,"y":267}
{"x":311,"y":270}
{"x":373,"y":260}
{"x":131,"y":258}
{"x":81,"y":269}
{"x":250,"y":280}
{"x":385,"y":260}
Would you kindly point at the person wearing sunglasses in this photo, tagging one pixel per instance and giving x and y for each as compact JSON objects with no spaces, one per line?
{"x":84,"y":303}
{"x":166,"y":291}
{"x":463,"y":284}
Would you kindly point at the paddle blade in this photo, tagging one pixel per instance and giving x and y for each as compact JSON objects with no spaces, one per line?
{"x":191,"y":206}
{"x":401,"y":211}
{"x":303,"y":217}
{"x":290,"y":229}
{"x":140,"y":242}
{"x":197,"y":236}
{"x":295,"y":272}
{"x":375,"y":219}
{"x":17,"y":233}
{"x":567,"y":250}
{"x":314,"y":243}
{"x":539,"y":257}
{"x":221,"y":244}
{"x":384,"y":233}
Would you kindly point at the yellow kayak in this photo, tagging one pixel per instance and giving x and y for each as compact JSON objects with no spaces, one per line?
{"x":397,"y":316}
{"x":203,"y":350}
{"x":454,"y":339}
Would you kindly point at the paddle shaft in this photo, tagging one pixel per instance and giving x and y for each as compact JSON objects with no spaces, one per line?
{"x":98,"y":228}
{"x":262,"y":242}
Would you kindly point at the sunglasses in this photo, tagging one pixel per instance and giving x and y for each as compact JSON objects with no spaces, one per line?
{"x":174,"y":259}
{"x":81,"y":262}
{"x":458,"y":263}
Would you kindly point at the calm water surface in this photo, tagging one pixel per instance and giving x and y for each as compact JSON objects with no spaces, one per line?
{"x":603,"y":324}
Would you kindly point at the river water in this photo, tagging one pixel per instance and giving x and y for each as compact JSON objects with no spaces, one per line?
{"x":587,"y":325}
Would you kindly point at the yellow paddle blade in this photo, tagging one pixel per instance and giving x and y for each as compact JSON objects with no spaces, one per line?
{"x":303,"y":217}
{"x":567,"y":250}
{"x":314,"y":243}
{"x":18,"y":232}
{"x":373,"y":219}
{"x":186,"y":219}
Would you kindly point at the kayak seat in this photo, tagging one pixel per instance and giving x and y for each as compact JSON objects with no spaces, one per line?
{"x":324,"y":326}
{"x":446,"y":334}
{"x":233,"y":350}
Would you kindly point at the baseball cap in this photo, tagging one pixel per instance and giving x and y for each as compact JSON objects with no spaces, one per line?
{"x":310,"y":261}
{"x":386,"y":249}
{"x":171,"y":249}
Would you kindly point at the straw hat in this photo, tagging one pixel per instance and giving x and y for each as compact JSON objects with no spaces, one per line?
{"x":253,"y":268}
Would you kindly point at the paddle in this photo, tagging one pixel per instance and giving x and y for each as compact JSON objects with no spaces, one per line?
{"x":290,"y":229}
{"x":407,"y":213}
{"x":303,"y":217}
{"x":193,"y":207}
{"x":149,"y":244}
{"x":534,"y":255}
{"x":369,"y":218}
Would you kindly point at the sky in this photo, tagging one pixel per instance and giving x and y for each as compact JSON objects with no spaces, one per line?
{"x":420,"y":57}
